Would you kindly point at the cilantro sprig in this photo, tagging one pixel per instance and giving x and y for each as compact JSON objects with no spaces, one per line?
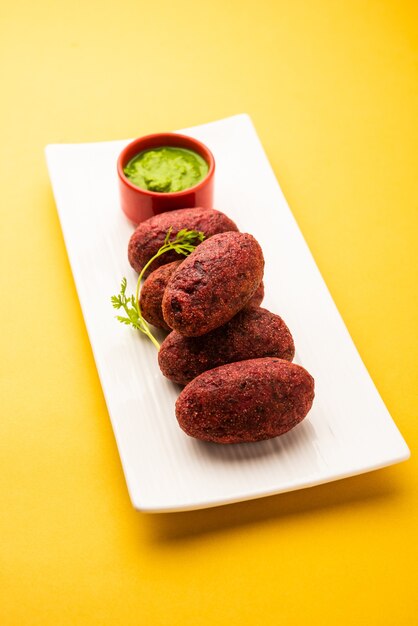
{"x":183,"y":243}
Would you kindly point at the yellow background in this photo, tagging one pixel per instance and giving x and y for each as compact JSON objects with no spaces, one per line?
{"x":332,"y":89}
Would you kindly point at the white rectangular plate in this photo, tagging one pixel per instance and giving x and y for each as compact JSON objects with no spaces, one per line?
{"x":347,"y":432}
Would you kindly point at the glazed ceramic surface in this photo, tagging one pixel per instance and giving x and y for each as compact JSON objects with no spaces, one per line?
{"x":347,"y":432}
{"x":140,"y":204}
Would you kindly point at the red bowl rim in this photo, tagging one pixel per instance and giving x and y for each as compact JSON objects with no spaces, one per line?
{"x":199,"y":146}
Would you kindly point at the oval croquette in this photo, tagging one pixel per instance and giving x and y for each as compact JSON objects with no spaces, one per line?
{"x":149,"y":236}
{"x":213,"y":283}
{"x":252,"y":333}
{"x":246,"y":401}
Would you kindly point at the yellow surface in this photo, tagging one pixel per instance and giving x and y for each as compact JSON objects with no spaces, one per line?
{"x":332,"y":89}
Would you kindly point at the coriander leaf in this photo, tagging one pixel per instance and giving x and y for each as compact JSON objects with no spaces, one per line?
{"x":183,"y":243}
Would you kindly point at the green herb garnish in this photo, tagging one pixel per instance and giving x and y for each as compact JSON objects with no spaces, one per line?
{"x":184,"y":242}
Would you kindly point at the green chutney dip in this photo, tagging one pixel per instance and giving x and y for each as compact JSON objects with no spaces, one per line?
{"x":166,"y":169}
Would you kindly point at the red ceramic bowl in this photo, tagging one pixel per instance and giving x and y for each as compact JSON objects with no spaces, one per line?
{"x":140,"y":204}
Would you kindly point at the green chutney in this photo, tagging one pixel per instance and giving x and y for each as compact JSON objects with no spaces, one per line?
{"x":166,"y":169}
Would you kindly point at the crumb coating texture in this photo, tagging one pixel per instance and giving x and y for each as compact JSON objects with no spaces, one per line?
{"x":152,"y":291}
{"x":213,"y":283}
{"x":246,"y":401}
{"x":258,"y":296}
{"x":252,"y":333}
{"x":149,"y":236}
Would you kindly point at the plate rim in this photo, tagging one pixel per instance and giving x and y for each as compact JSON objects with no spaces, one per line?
{"x":136,"y":499}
